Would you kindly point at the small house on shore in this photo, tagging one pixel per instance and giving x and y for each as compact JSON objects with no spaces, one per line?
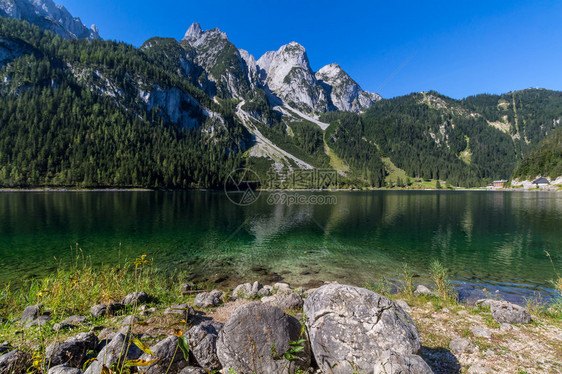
{"x":541,"y":182}
{"x":499,"y":183}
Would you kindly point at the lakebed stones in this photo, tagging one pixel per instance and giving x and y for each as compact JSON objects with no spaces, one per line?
{"x":117,"y":348}
{"x":256,"y":336}
{"x":208,"y":299}
{"x":106,"y":309}
{"x":170,"y":358}
{"x":15,"y":361}
{"x":351,"y":325}
{"x":391,"y":362}
{"x":203,"y":344}
{"x":72,"y":351}
{"x":135,"y":298}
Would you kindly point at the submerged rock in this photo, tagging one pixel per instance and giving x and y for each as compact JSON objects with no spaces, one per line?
{"x":352,"y":325}
{"x":256,"y":336}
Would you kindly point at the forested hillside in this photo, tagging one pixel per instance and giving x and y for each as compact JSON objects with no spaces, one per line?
{"x":545,"y":160}
{"x":57,"y":131}
{"x":184,"y":114}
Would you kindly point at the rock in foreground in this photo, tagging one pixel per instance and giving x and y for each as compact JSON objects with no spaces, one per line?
{"x":353,"y":326}
{"x":256,"y":336}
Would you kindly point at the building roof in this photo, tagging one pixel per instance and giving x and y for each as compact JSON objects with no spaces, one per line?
{"x":500,"y":181}
{"x":541,"y":181}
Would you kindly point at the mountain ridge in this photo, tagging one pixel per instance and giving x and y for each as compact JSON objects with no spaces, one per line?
{"x":224,"y":109}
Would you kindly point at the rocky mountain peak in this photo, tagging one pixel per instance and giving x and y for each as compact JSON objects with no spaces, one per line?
{"x":345,"y":93}
{"x":48,"y":16}
{"x":194,"y":32}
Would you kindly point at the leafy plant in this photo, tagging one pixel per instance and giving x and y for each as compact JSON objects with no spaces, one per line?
{"x":440,"y":277}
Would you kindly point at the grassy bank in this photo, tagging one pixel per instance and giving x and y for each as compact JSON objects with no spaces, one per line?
{"x":73,"y":289}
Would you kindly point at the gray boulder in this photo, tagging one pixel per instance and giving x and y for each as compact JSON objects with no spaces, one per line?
{"x":352,"y":325}
{"x":193,"y":370}
{"x":404,"y":305}
{"x":64,"y":369}
{"x":244,"y":291}
{"x":15,"y":361}
{"x":118,"y":348}
{"x":31,"y":313}
{"x":422,"y":290}
{"x":461,"y":345}
{"x":283,"y":287}
{"x":72,"y":351}
{"x":504,"y":312}
{"x":181,"y":310}
{"x":208,"y":299}
{"x":480,"y":332}
{"x":5,"y":347}
{"x":391,"y":362}
{"x":256,"y":336}
{"x":135,"y":298}
{"x":203,"y":344}
{"x":186,"y":287}
{"x":41,"y":321}
{"x":169,"y":356}
{"x":284,"y":300}
{"x":70,"y":322}
{"x":265,"y":291}
{"x":106,"y":309}
{"x":129,"y":321}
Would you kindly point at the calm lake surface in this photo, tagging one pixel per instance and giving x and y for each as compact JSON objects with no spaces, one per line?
{"x":492,"y":240}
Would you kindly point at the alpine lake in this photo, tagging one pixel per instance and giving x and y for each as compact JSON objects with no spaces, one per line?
{"x":491,"y":242}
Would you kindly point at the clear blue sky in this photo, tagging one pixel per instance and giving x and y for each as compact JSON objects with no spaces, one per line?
{"x":458,"y":48}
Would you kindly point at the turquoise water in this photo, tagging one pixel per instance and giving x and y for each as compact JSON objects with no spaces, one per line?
{"x":495,"y":240}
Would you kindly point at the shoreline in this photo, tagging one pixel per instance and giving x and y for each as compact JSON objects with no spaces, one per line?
{"x":460,"y":189}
